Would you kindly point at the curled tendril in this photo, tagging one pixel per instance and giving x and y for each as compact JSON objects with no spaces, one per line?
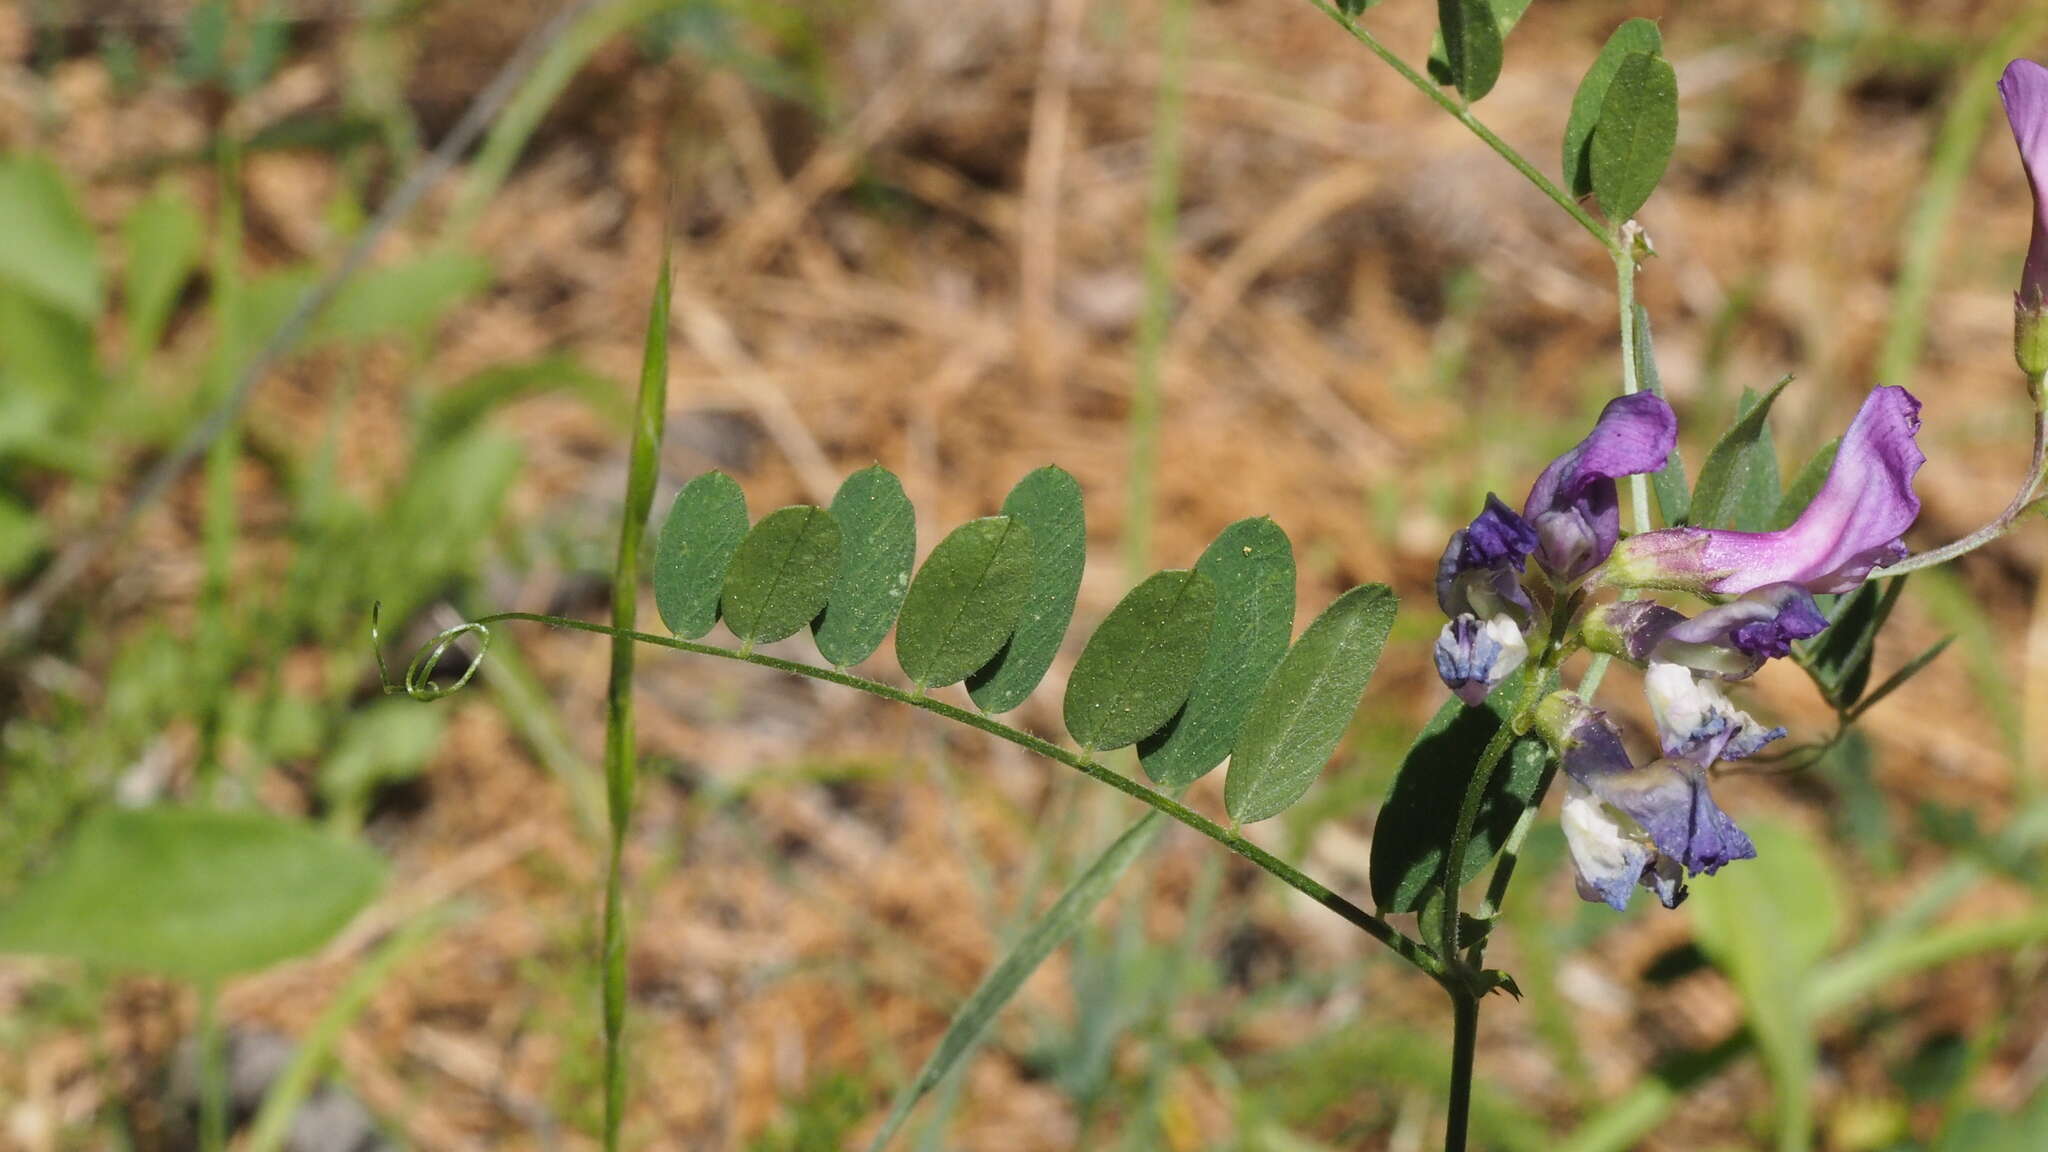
{"x":416,"y":683}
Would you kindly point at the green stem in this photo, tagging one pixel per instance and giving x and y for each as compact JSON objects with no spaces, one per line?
{"x":213,"y":1072}
{"x":619,"y":767}
{"x":1468,"y":816}
{"x":2037,"y":471}
{"x":1464,"y":1046}
{"x":1463,"y":115}
{"x":1403,"y":945}
{"x":1625,"y":290}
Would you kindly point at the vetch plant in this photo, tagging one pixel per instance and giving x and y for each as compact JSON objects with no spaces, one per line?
{"x":1195,"y":666}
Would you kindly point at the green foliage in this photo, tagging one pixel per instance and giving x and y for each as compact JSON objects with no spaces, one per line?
{"x":164,"y":238}
{"x":1767,"y":924}
{"x":1839,"y":659}
{"x":1413,"y":833}
{"x":1632,"y":37}
{"x":1668,"y":482}
{"x":1137,"y":669}
{"x":1048,"y":502}
{"x":190,"y":893}
{"x":1252,"y":566}
{"x":1002,"y":982}
{"x":1307,"y":704}
{"x":49,"y":252}
{"x":385,"y":743}
{"x":1472,"y":42}
{"x":965,"y":601}
{"x":1738,"y":485}
{"x":703,"y":531}
{"x":781,"y":574}
{"x":1633,"y":139}
{"x":1506,"y":14}
{"x":878,"y":542}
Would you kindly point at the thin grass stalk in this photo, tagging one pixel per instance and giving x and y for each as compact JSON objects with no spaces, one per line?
{"x":619,"y":767}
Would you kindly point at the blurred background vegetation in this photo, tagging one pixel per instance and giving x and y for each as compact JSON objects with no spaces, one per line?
{"x":915,"y":231}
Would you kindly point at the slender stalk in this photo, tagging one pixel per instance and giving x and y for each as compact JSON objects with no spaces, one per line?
{"x":1463,"y":115}
{"x":1406,"y":947}
{"x":619,"y":766}
{"x":1625,"y":291}
{"x":1468,"y":816}
{"x":1464,"y":1046}
{"x":213,"y":1072}
{"x":2022,"y":502}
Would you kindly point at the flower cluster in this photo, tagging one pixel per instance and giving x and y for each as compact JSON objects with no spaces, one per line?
{"x":1655,"y":825}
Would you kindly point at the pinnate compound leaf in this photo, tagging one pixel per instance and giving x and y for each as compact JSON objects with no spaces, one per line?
{"x":1252,"y":565}
{"x":1048,"y":502}
{"x":965,"y":601}
{"x":1413,"y":833}
{"x":1472,"y":45}
{"x":1637,"y":129}
{"x":1002,"y":982}
{"x":1741,"y":469}
{"x":1137,"y":669}
{"x":1634,"y":36}
{"x":781,"y":574}
{"x":1307,"y":704}
{"x":704,"y":528}
{"x":878,"y":545}
{"x":194,"y":894}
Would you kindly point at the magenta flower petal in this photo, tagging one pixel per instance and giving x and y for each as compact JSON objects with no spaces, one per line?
{"x":2024,"y":88}
{"x":1573,"y":506}
{"x":1854,"y":524}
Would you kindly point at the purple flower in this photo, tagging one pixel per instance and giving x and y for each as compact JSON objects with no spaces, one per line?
{"x":1664,"y":806}
{"x":1480,"y":573}
{"x":1574,"y":507}
{"x":1854,"y":524}
{"x":1729,"y":640}
{"x":1473,"y":655}
{"x":2024,"y":88}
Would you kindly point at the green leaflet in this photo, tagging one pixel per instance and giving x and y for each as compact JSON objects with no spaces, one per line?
{"x":1002,"y":982}
{"x":878,"y":545}
{"x":965,"y":601}
{"x":1252,"y":565}
{"x":1471,"y":35}
{"x":1506,"y":14}
{"x":49,"y":252}
{"x":1307,"y":704}
{"x":1806,"y":485}
{"x":1839,"y":658}
{"x":1413,"y":832}
{"x":1048,"y":502}
{"x":704,"y":528}
{"x":1633,"y":36}
{"x":197,"y":894}
{"x":781,"y":574}
{"x":163,"y":237}
{"x":1637,"y":129}
{"x":1137,"y":669}
{"x":1669,"y":481}
{"x":1739,"y":481}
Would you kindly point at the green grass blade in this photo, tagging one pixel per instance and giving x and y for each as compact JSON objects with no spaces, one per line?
{"x":1137,"y":669}
{"x":703,"y":531}
{"x":1252,"y":566}
{"x":878,"y":546}
{"x":965,"y":601}
{"x":782,"y":574}
{"x":1307,"y":704}
{"x":1048,"y":502}
{"x":1002,"y":982}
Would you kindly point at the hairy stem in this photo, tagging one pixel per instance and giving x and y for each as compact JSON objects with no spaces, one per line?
{"x":1403,"y":945}
{"x":1625,"y":291}
{"x":1468,"y":815}
{"x":1463,"y":115}
{"x":1464,"y":1046}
